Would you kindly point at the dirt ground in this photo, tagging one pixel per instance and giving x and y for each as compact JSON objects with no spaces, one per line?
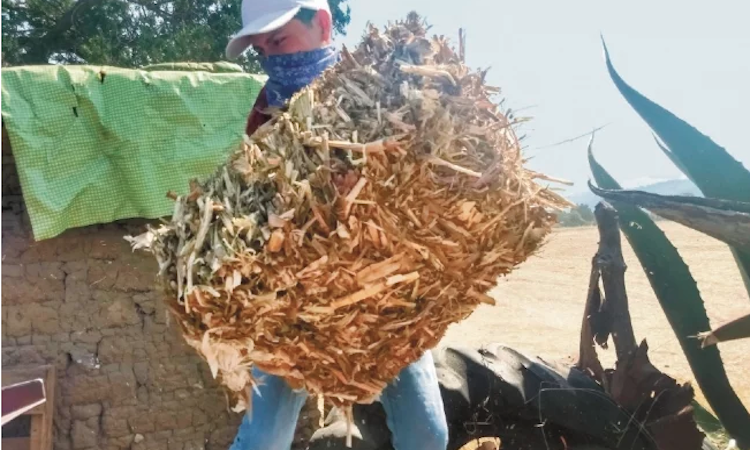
{"x":540,"y":306}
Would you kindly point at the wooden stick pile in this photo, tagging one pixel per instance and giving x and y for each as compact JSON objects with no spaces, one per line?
{"x":347,"y":234}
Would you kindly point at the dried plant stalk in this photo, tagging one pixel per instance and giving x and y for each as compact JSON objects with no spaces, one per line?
{"x":351,"y":230}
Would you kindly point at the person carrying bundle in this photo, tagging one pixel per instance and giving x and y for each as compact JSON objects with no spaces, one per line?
{"x":293,"y":39}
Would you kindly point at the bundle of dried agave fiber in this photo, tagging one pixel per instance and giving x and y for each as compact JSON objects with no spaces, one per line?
{"x":349,"y":232}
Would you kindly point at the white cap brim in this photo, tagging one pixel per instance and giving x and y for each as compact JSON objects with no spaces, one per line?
{"x":263,"y":24}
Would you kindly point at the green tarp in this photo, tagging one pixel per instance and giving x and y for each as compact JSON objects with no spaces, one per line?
{"x":99,"y":144}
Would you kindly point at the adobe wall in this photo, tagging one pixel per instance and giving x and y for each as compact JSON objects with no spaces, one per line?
{"x":86,"y":304}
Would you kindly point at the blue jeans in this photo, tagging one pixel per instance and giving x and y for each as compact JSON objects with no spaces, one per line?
{"x":412,"y":403}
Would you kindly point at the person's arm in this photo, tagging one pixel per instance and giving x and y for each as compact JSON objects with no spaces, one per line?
{"x":257,"y":117}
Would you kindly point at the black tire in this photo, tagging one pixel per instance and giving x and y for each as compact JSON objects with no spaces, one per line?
{"x":498,"y":392}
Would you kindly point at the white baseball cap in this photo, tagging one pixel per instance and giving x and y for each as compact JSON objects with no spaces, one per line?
{"x":262,"y":16}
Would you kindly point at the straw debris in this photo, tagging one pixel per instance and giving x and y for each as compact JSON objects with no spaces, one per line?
{"x":345,"y":236}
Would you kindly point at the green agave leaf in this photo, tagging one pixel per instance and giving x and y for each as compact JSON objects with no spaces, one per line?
{"x":742,"y":258}
{"x":708,"y":164}
{"x":681,"y":301}
{"x":710,"y":425}
{"x":716,"y":173}
{"x":675,"y":160}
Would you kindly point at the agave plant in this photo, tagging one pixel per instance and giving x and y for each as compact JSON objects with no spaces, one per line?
{"x":724,"y":214}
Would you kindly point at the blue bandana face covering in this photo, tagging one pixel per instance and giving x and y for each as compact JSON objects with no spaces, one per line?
{"x":287,"y":74}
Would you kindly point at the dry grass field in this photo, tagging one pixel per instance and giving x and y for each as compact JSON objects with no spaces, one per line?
{"x":540,"y":306}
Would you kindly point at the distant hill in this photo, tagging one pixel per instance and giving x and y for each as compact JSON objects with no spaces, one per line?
{"x":668,"y":187}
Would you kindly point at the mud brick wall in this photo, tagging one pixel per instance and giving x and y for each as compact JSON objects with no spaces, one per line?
{"x":86,"y":304}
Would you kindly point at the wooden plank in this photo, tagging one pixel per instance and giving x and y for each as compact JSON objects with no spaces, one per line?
{"x":19,"y":374}
{"x":50,"y":384}
{"x":22,"y":443}
{"x":38,"y":433}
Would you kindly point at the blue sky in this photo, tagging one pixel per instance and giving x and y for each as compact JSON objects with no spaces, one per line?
{"x":693,"y":57}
